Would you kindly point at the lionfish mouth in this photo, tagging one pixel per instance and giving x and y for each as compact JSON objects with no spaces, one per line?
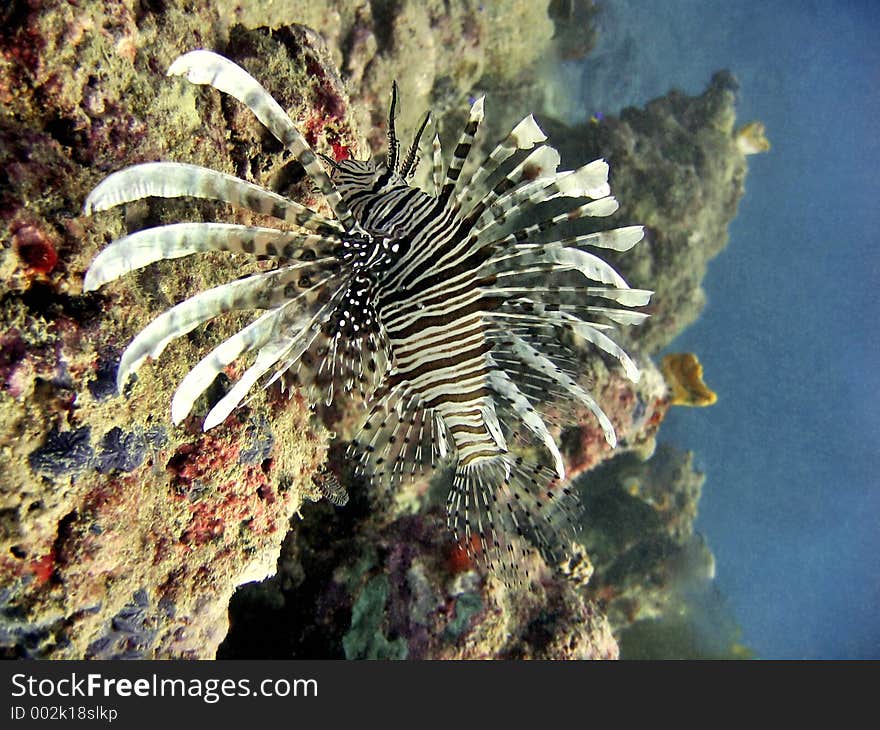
{"x":458,"y":311}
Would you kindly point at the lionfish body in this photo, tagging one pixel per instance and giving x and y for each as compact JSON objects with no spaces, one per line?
{"x":431,"y":305}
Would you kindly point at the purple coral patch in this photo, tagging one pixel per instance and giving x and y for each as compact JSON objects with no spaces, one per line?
{"x":65,"y":452}
{"x":12,"y":351}
{"x":259,"y":442}
{"x":121,"y":451}
{"x":104,"y":384}
{"x":131,"y":634}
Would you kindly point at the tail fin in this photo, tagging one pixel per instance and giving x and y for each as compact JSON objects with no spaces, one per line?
{"x":501,"y":506}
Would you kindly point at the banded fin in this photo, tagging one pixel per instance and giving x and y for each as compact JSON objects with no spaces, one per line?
{"x":255,"y":335}
{"x":268,"y":354}
{"x":437,"y":164}
{"x":507,"y":390}
{"x":615,"y":314}
{"x":538,"y":387}
{"x":501,"y":507}
{"x":531,"y":356}
{"x":393,"y":156}
{"x":259,"y":291}
{"x":208,"y":68}
{"x":550,"y":257}
{"x":589,"y":181}
{"x":181,"y":180}
{"x":626,"y":297}
{"x":399,"y":439}
{"x":541,"y":163}
{"x":620,"y":316}
{"x":462,"y":150}
{"x":524,"y":136}
{"x":324,"y":368}
{"x":589,"y":331}
{"x":177,"y":240}
{"x":411,"y":162}
{"x":617,"y":239}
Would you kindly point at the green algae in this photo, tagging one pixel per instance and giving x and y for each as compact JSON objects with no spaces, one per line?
{"x":365,"y":638}
{"x":467,"y":605}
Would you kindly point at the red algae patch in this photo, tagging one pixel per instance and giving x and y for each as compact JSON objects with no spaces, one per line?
{"x":34,"y":247}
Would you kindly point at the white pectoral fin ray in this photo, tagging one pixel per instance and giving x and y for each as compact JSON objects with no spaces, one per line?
{"x":145,"y":247}
{"x":181,"y":180}
{"x":626,"y":297}
{"x":617,"y":239}
{"x":524,"y":136}
{"x":591,"y":333}
{"x":197,"y":380}
{"x":542,"y":364}
{"x":600,"y":208}
{"x":501,"y":383}
{"x":621,"y":316}
{"x":515,"y":263}
{"x":267,"y":357}
{"x":171,"y":180}
{"x":490,"y":418}
{"x":462,"y":150}
{"x":207,"y":67}
{"x":589,"y":181}
{"x":590,"y":266}
{"x":183,"y":318}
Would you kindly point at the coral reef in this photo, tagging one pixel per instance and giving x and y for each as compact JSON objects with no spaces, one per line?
{"x":120,"y":535}
{"x":352,"y":586}
{"x":677,"y":169}
{"x":636,"y":410}
{"x":439,"y":52}
{"x":414,"y":596}
{"x":640,"y":534}
{"x":574,"y":31}
{"x":383,"y":578}
{"x":123,"y":536}
{"x":699,"y":625}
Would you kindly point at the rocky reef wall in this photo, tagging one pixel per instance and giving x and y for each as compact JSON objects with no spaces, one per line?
{"x":124,"y":536}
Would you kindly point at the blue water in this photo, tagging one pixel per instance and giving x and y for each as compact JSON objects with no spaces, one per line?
{"x":790,"y":338}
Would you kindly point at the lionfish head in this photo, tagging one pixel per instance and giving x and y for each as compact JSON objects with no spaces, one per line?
{"x":354,"y":176}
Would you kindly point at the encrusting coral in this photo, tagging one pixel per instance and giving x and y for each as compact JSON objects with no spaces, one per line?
{"x":751,"y":138}
{"x":684,"y":376}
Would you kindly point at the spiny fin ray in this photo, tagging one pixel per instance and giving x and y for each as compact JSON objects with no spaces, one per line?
{"x":208,"y":68}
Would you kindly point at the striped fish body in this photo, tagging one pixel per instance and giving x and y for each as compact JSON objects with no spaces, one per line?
{"x":431,"y":297}
{"x":430,"y":306}
{"x":449,"y":320}
{"x":429,"y":301}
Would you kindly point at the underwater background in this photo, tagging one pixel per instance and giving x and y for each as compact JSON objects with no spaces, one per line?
{"x":750,"y":528}
{"x":790,"y":337}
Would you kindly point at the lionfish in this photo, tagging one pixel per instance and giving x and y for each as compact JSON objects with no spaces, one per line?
{"x":430,"y":304}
